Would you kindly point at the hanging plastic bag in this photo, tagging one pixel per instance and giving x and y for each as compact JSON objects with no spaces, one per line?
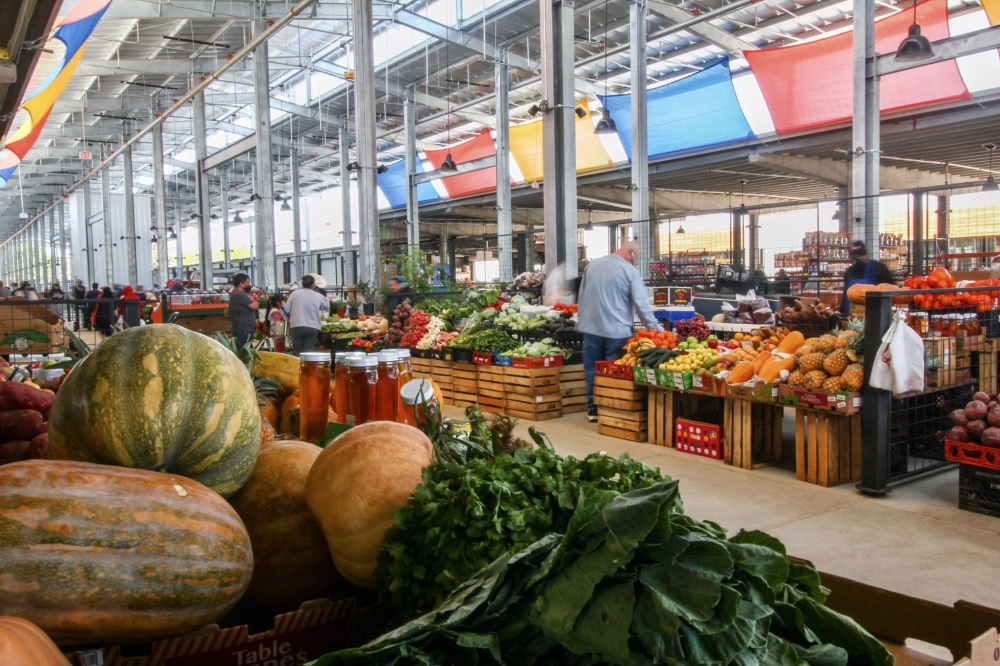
{"x":899,"y":364}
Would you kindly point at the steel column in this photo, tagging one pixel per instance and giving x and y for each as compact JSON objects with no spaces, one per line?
{"x":106,"y":216}
{"x":412,"y":200}
{"x":45,"y":247}
{"x":865,"y":130}
{"x":226,"y":249}
{"x":843,"y":210}
{"x":345,"y":201}
{"x":559,"y":134}
{"x":160,"y":208}
{"x":129,"y":240}
{"x":364,"y":108}
{"x":64,"y":267}
{"x":505,"y":225}
{"x":942,"y":216}
{"x":264,"y":217}
{"x":88,"y":232}
{"x":642,"y":228}
{"x":180,"y":250}
{"x":875,"y":403}
{"x":754,"y":242}
{"x":917,"y":258}
{"x":202,"y":195}
{"x":297,"y":263}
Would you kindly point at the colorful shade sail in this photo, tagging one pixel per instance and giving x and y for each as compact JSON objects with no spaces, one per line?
{"x":992,"y":8}
{"x":463,"y":184}
{"x":393,"y":186}
{"x":697,"y":111}
{"x":526,"y":147}
{"x":73,"y":31}
{"x":811,"y":84}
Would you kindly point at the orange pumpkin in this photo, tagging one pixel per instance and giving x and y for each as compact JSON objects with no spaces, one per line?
{"x":290,"y":402}
{"x":269,"y":413}
{"x":291,"y":560}
{"x":356,"y":484}
{"x":24,"y":644}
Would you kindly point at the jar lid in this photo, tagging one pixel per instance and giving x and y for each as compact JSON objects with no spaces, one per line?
{"x":367,"y":361}
{"x":416,"y":390}
{"x":342,"y":356}
{"x":403,"y":353}
{"x":314,"y":357}
{"x":388,"y":356}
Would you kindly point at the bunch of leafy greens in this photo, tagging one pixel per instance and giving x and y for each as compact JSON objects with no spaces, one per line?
{"x":632,"y":581}
{"x":468,"y":513}
{"x":488,"y":340}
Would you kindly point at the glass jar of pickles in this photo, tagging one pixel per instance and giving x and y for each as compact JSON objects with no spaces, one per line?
{"x":387,"y":391}
{"x":362,"y":382}
{"x":340,"y":375}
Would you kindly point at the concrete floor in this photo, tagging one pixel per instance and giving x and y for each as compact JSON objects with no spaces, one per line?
{"x":914,"y":541}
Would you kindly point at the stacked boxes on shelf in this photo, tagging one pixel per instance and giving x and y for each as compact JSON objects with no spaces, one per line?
{"x":532,"y":394}
{"x":573,"y":388}
{"x":421,"y":368}
{"x":441,"y":374}
{"x":464,"y":378}
{"x":621,"y":408}
{"x":490,"y":387}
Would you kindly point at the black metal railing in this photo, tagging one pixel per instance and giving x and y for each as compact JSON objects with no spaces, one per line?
{"x":903,"y":435}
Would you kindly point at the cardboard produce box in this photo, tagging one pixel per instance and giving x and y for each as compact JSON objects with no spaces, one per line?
{"x":318,"y":627}
{"x":844,"y":402}
{"x":26,"y":328}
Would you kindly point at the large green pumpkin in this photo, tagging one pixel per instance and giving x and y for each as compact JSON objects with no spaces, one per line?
{"x":160,"y":398}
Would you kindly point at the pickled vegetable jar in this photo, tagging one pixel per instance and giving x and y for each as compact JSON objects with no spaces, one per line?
{"x":314,"y":395}
{"x":362,"y":382}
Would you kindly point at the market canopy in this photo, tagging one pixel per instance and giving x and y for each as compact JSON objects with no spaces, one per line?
{"x":472,"y":182}
{"x":697,"y":111}
{"x":527,"y":148}
{"x":393,"y":186}
{"x":812,"y":84}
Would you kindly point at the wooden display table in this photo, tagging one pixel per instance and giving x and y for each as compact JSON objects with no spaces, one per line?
{"x":465,"y":380}
{"x":752,"y":433}
{"x":827,"y":447}
{"x":621,"y":408}
{"x":665,"y":406}
{"x":532,"y":394}
{"x":490,"y":387}
{"x":573,"y":388}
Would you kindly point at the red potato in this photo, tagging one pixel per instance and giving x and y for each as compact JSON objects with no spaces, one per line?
{"x":993,"y":418}
{"x":15,"y":451}
{"x":44,"y":428}
{"x":39,"y":446}
{"x":15,"y":395}
{"x":982,"y":397}
{"x":19,"y":424}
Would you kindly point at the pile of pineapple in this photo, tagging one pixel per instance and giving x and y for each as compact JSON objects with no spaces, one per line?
{"x":832,"y":363}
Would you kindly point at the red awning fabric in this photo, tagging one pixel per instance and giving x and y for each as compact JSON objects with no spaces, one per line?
{"x":810,"y":85}
{"x":474,"y":181}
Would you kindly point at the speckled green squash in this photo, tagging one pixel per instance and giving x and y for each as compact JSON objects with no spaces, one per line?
{"x":161,"y":398}
{"x":106,"y":555}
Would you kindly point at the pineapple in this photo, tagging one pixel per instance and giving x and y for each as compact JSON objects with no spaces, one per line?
{"x":833,"y":384}
{"x":815,"y":379}
{"x":812,"y":361}
{"x":835,"y":363}
{"x":802,"y":351}
{"x":854,"y":377}
{"x":844,"y":339}
{"x":797,"y":378}
{"x":825,"y":344}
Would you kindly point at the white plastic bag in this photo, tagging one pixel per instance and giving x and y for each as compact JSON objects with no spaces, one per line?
{"x":899,"y":364}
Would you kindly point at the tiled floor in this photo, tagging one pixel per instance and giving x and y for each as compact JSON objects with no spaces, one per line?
{"x":915,"y":541}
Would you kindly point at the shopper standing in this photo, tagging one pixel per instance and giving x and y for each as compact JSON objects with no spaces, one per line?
{"x":130,"y":308}
{"x":276,"y":320}
{"x":863,"y":270}
{"x":305,"y":308}
{"x":56,"y":294}
{"x":4,"y":291}
{"x":242,"y":309}
{"x":610,"y":292}
{"x":92,"y":296}
{"x":105,"y":315}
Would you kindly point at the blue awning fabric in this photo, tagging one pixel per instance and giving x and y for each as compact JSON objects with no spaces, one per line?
{"x":393,"y":186}
{"x":698,"y":111}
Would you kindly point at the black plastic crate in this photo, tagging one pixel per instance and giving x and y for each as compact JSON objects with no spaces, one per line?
{"x":810,"y":327}
{"x":460,"y":355}
{"x":990,"y":322}
{"x":979,"y":490}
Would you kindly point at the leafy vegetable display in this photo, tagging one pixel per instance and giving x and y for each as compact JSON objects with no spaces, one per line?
{"x":489,"y":340}
{"x":632,"y":581}
{"x":544,"y":347}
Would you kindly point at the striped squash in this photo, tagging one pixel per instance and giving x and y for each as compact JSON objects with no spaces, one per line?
{"x":100,"y":554}
{"x":24,"y":644}
{"x":161,"y":398}
{"x":291,"y":561}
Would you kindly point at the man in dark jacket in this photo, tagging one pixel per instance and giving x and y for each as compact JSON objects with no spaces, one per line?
{"x":92,"y":296}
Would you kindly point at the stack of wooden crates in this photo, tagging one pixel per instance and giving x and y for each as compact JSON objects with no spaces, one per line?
{"x":489,"y":388}
{"x":621,"y":408}
{"x":464,"y":377}
{"x":573,"y":389}
{"x":532,"y":394}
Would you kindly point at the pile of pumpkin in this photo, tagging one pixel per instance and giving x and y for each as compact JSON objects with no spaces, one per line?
{"x":125,"y":535}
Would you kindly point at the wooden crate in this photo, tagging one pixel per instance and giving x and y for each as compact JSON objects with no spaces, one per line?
{"x":572,"y":373}
{"x":827,"y":447}
{"x":624,"y":394}
{"x":534,"y":381}
{"x":534,"y":408}
{"x":751,"y":432}
{"x":630,"y":424}
{"x":664,"y":406}
{"x":464,"y":379}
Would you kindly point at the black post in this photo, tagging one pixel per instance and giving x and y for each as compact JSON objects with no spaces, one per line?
{"x":875,"y":403}
{"x":737,"y":240}
{"x":917,"y":261}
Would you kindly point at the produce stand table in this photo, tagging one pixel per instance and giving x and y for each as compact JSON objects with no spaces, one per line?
{"x":621,"y":408}
{"x":827,"y":447}
{"x":202,"y":317}
{"x":751,"y":433}
{"x":532,"y":394}
{"x":666,"y":406}
{"x":490,"y":387}
{"x":465,"y":378}
{"x":986,"y":362}
{"x":573,"y":388}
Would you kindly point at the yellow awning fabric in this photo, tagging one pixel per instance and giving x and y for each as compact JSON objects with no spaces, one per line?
{"x":526,"y":147}
{"x":992,"y":8}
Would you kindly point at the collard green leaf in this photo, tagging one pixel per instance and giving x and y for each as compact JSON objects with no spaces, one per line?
{"x":692,"y":585}
{"x":822,"y":655}
{"x":722,"y":647}
{"x":762,"y":561}
{"x":602,"y":627}
{"x":759,"y":538}
{"x":832,"y":627}
{"x":807,"y":579}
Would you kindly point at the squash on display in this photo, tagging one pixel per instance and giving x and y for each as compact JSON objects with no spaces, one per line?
{"x":162,"y":398}
{"x":282,"y":368}
{"x":772,"y":369}
{"x":742,"y":372}
{"x":101,"y":554}
{"x":356,"y":484}
{"x":291,"y":561}
{"x":24,"y":644}
{"x":791,"y":343}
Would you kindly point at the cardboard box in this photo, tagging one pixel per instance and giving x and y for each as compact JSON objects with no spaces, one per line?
{"x":844,"y":402}
{"x":940,"y":356}
{"x":26,"y":328}
{"x":318,"y":627}
{"x":761,"y":392}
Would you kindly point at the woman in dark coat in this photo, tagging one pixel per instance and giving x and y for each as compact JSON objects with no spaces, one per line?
{"x":106,"y":315}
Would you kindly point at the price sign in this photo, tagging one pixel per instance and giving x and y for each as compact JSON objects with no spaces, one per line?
{"x":86,"y":155}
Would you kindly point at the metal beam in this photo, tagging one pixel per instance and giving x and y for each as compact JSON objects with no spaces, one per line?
{"x":367,"y":148}
{"x":987,"y":39}
{"x":345,"y":202}
{"x":865,"y":143}
{"x":226,"y":250}
{"x":673,"y":200}
{"x":264,"y":209}
{"x":642,"y":229}
{"x":106,"y":217}
{"x":208,"y":9}
{"x":464,"y":167}
{"x":710,"y":33}
{"x":293,"y":165}
{"x":455,"y":36}
{"x":837,"y":172}
{"x":160,"y":208}
{"x":505,"y":227}
{"x":230,"y":152}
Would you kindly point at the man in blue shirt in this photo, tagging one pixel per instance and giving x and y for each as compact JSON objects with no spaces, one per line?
{"x":610,"y":291}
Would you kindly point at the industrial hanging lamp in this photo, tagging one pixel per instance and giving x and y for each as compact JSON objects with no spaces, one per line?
{"x":236,"y":218}
{"x":990,"y":185}
{"x":590,"y":217}
{"x":606,"y":125}
{"x":680,"y":229}
{"x":743,"y":207}
{"x":448,"y":164}
{"x":914,"y":47}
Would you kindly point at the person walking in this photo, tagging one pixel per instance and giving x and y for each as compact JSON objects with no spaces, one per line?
{"x":91,"y":305}
{"x":56,"y":294}
{"x":611,"y":290}
{"x":242,"y":309}
{"x":4,"y":291}
{"x":275,"y":321}
{"x":105,"y":315}
{"x":305,"y":308}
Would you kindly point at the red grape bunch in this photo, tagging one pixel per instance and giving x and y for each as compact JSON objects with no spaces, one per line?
{"x":694,"y":327}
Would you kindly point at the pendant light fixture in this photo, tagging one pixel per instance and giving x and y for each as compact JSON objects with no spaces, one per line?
{"x":743,"y":207}
{"x":991,"y":184}
{"x":590,"y":217}
{"x":606,"y":125}
{"x":915,"y":47}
